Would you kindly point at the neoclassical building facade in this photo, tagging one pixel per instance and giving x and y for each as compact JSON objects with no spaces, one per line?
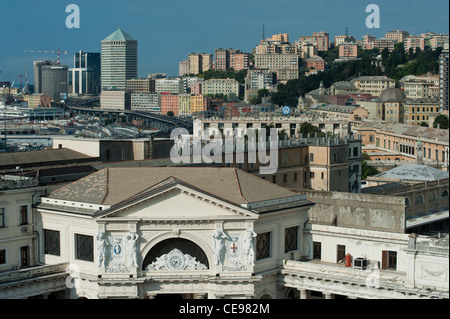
{"x":192,"y":233}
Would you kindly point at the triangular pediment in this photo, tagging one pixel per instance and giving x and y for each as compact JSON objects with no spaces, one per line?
{"x":176,"y":202}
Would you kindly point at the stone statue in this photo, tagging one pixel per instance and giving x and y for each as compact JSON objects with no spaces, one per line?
{"x":219,"y":246}
{"x":249,"y":251}
{"x":102,"y":250}
{"x":132,"y":240}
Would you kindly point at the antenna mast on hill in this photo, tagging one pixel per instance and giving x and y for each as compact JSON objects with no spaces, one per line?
{"x":263,"y":34}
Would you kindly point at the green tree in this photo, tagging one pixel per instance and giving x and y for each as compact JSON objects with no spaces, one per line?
{"x":308,"y":128}
{"x":442,"y":120}
{"x":170,"y":113}
{"x":367,"y":170}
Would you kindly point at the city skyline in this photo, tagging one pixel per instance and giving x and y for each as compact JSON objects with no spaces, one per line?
{"x":168,"y":31}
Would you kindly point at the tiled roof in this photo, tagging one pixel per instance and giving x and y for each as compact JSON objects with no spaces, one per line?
{"x":111,"y":186}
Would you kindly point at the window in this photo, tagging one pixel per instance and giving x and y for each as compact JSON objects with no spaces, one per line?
{"x":290,"y":239}
{"x":311,"y":157}
{"x":322,"y":175}
{"x":52,"y":242}
{"x":340,"y":253}
{"x":2,"y":217}
{"x":84,"y":247}
{"x":432,"y":197}
{"x":355,"y":151}
{"x":295,"y":177}
{"x":389,"y":260}
{"x":274,"y":179}
{"x":444,"y":194}
{"x":317,"y":250}
{"x":24,"y":256}
{"x":263,"y":245}
{"x":419,"y":200}
{"x":24,"y":215}
{"x":284,"y":178}
{"x":2,"y":256}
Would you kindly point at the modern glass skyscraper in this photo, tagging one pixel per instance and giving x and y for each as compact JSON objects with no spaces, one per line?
{"x":84,"y":77}
{"x":118,"y":60}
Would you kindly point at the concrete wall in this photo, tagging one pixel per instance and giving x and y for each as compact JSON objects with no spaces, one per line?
{"x":84,"y":146}
{"x":370,"y":212}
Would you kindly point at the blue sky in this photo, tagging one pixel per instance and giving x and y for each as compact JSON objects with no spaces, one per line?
{"x":168,"y":30}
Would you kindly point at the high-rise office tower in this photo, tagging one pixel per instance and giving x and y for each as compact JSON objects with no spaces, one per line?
{"x":118,"y":60}
{"x":84,"y":77}
{"x":51,"y":78}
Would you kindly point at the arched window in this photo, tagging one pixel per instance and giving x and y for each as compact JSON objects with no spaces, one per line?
{"x":432,"y":197}
{"x":419,"y":200}
{"x":163,"y":250}
{"x":444,"y":194}
{"x":407,"y":201}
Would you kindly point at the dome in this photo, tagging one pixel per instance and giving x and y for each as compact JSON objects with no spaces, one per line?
{"x":392,"y":95}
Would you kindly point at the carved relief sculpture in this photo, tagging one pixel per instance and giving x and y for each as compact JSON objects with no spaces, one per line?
{"x":219,"y":246}
{"x":176,"y":260}
{"x":249,"y":250}
{"x":132,"y":240}
{"x":102,"y":249}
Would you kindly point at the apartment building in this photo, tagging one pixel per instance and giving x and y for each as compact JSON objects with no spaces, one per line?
{"x":183,"y":68}
{"x":172,"y":86}
{"x":397,"y":35}
{"x":184,"y":107}
{"x":273,"y":47}
{"x":144,"y":101}
{"x":373,"y":84}
{"x":199,"y":62}
{"x":367,"y":42}
{"x":285,"y":65}
{"x":419,"y":87}
{"x":169,"y":103}
{"x":414,"y":43}
{"x":308,"y":50}
{"x":348,"y":50}
{"x":115,"y":100}
{"x":438,"y":41}
{"x":315,"y":64}
{"x":382,"y":44}
{"x":418,"y":111}
{"x":320,"y":39}
{"x":145,"y":85}
{"x":239,"y":61}
{"x":257,"y":80}
{"x":228,"y":87}
{"x":200,"y":103}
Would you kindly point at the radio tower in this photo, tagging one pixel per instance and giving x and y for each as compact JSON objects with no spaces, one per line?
{"x":263,"y":34}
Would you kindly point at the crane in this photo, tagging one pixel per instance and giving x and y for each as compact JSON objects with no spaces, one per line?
{"x":58,"y":52}
{"x":20,"y":76}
